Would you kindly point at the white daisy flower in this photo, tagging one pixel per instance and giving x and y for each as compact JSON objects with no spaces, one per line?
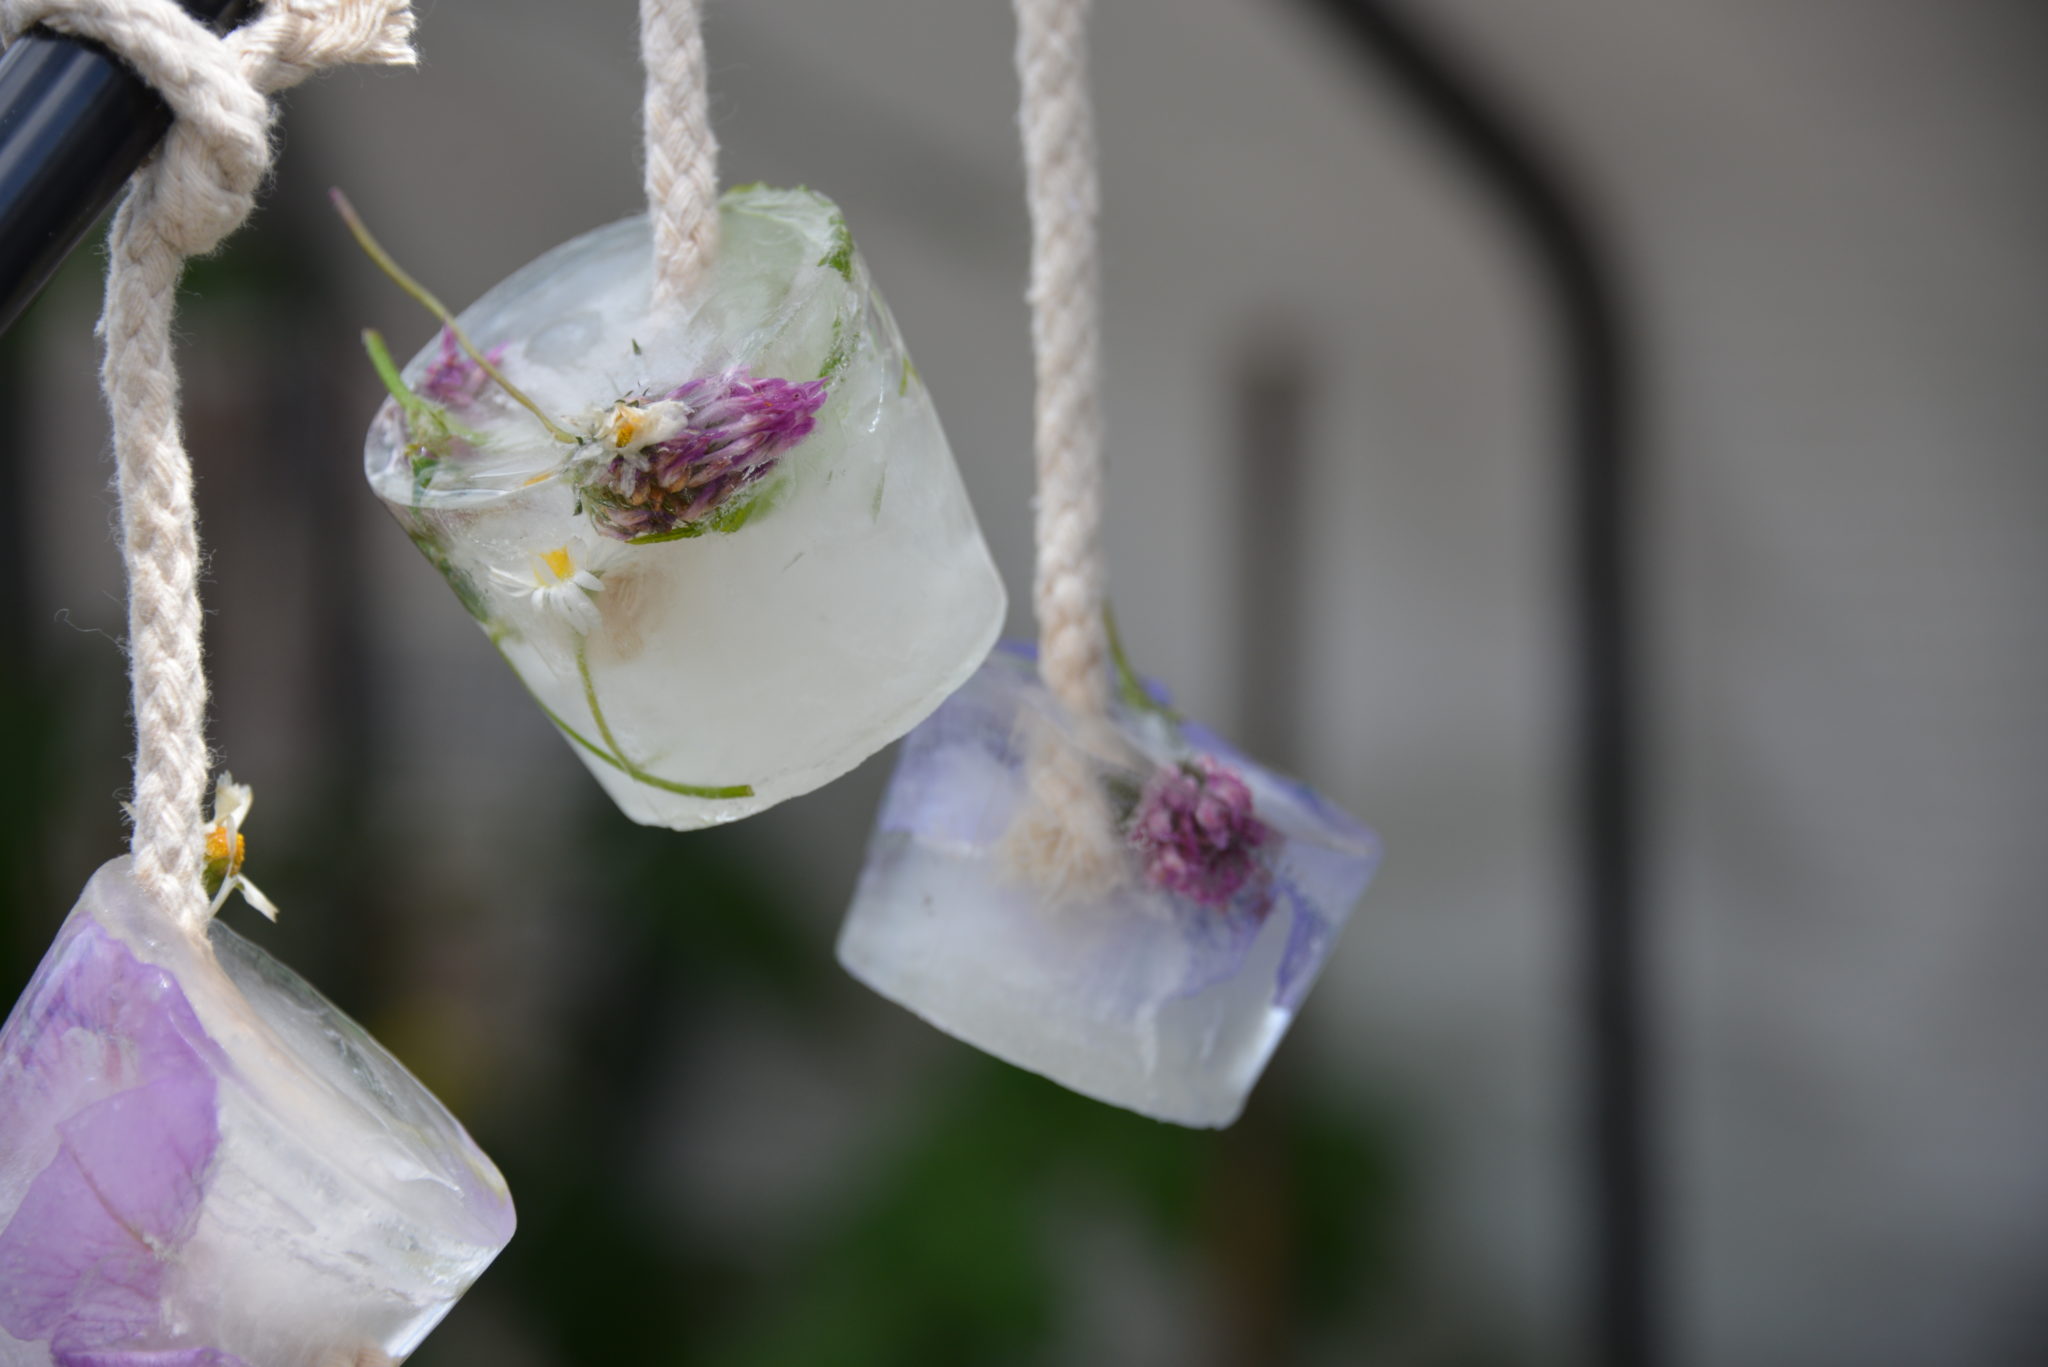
{"x":561,"y":581}
{"x":636,"y":425}
{"x":225,"y":847}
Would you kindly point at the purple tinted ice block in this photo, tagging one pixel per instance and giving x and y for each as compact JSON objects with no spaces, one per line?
{"x":1165,"y":990}
{"x":204,"y":1164}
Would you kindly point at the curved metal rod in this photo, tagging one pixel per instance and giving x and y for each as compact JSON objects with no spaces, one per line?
{"x":1601,"y":471}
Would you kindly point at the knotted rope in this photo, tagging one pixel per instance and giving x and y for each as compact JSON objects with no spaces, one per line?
{"x":682,"y":153}
{"x":198,"y":188}
{"x":1066,"y":840}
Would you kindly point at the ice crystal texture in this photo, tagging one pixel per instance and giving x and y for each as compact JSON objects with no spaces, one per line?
{"x":204,"y":1164}
{"x":791,"y":575}
{"x":1165,"y":992}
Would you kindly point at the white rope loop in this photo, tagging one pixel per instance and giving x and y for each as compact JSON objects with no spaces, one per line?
{"x":682,"y":151}
{"x":198,"y":188}
{"x":1059,"y":158}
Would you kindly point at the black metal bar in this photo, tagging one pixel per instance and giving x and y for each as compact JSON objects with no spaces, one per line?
{"x":1273,"y":381}
{"x":1600,"y":415}
{"x":75,"y":122}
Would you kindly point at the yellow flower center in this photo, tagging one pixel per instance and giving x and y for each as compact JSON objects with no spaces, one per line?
{"x":221,"y":862}
{"x":625,"y":425}
{"x":558,"y":562}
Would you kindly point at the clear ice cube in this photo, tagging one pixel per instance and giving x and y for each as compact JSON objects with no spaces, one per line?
{"x":1163,"y":990}
{"x":708,"y":649}
{"x":204,"y":1164}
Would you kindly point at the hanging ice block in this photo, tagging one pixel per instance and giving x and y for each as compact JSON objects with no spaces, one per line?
{"x":204,"y":1164}
{"x":1163,"y":989}
{"x":746,"y":561}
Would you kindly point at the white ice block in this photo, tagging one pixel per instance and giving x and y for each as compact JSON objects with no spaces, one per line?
{"x":204,"y":1164}
{"x":1165,"y":991}
{"x":714,"y":632}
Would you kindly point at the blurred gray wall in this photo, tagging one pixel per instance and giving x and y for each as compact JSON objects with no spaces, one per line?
{"x":1832,"y":218}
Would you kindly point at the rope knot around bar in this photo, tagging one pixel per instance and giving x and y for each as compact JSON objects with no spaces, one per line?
{"x":199,"y":187}
{"x":202,"y":183}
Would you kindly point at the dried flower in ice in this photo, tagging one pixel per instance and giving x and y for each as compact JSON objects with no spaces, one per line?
{"x":1196,"y":831}
{"x":664,"y":468}
{"x":453,"y":379}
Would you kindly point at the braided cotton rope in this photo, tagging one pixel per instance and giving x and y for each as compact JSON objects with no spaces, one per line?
{"x":199,"y":188}
{"x":1066,"y":841}
{"x":1059,"y":159}
{"x":682,"y":153}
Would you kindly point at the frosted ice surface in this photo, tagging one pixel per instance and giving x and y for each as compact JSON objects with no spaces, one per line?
{"x":1166,"y":994}
{"x":204,"y":1164}
{"x":820,"y":601}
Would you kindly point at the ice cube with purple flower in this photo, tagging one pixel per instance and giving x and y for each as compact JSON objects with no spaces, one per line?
{"x":1165,"y":986}
{"x":724,"y":546}
{"x":204,"y":1164}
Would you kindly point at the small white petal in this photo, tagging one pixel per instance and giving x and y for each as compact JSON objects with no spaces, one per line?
{"x":575,"y":605}
{"x":231,"y":801}
{"x":632,"y":427}
{"x":251,"y":894}
{"x":665,"y":418}
{"x":599,"y":554}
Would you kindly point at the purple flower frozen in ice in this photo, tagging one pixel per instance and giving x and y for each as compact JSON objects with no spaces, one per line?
{"x":725,"y":432}
{"x":103,"y":1055}
{"x":453,"y":379}
{"x":1196,"y":832}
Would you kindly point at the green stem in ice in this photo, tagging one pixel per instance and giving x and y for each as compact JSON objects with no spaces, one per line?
{"x":416,"y":409}
{"x":430,"y":431}
{"x":617,"y":755}
{"x":1130,"y":689}
{"x":421,"y":415}
{"x":385,"y":262}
